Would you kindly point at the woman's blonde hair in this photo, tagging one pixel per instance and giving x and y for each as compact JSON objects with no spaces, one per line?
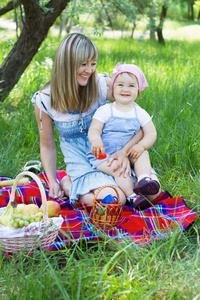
{"x":65,"y":93}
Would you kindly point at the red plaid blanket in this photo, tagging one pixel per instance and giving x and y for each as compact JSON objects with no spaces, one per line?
{"x":136,"y":227}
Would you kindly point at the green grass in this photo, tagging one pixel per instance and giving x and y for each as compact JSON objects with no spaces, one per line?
{"x":166,"y":269}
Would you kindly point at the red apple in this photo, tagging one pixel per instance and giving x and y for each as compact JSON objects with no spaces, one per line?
{"x":53,"y":208}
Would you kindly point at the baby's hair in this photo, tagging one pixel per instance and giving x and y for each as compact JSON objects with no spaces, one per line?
{"x":65,"y":93}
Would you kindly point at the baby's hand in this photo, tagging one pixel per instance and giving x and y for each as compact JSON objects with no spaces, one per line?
{"x":101,"y":155}
{"x":97,"y":148}
{"x":136,"y":151}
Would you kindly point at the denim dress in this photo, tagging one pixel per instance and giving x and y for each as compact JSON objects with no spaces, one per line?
{"x":75,"y":145}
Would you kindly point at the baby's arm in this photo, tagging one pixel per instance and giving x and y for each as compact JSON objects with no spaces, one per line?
{"x":94,"y":135}
{"x":146,"y":142}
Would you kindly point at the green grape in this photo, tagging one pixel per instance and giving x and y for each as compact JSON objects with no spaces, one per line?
{"x":13,"y":216}
{"x":20,"y":216}
{"x":37,"y":219}
{"x":17,"y":220}
{"x":26,"y":223}
{"x":26,"y":217}
{"x":12,"y":221}
{"x":21,"y":223}
{"x":16,"y":225}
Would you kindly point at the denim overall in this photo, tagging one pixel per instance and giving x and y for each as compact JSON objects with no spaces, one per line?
{"x":117,"y":131}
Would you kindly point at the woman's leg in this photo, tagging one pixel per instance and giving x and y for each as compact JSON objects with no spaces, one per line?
{"x":65,"y":185}
{"x":110,"y":191}
{"x":88,"y":198}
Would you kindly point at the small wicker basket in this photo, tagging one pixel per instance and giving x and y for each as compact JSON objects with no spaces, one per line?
{"x":106,"y":215}
{"x":29,"y":243}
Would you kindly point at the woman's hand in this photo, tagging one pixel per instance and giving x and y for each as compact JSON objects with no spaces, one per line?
{"x":55,"y":191}
{"x":136,"y":151}
{"x":122,"y":163}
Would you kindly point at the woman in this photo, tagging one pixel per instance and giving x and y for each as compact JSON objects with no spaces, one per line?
{"x":69,"y":102}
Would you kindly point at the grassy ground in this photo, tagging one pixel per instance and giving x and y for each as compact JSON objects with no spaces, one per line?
{"x":167,"y":269}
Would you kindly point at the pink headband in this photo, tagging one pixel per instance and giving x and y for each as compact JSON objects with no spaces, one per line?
{"x":133,"y":69}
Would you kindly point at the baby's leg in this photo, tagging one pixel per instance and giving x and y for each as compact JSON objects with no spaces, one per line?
{"x":142,"y":165}
{"x":87,"y":198}
{"x":153,"y":197}
{"x":141,"y":202}
{"x":125,"y":184}
{"x":146,"y":184}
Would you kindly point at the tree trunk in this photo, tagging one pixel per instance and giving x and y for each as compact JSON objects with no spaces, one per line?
{"x":160,"y":36}
{"x":37,"y":22}
{"x":133,"y":29}
{"x":160,"y":26}
{"x":192,"y":10}
{"x":107,"y":14}
{"x":152,"y":25}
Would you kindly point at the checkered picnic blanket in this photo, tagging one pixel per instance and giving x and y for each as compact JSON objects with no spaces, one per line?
{"x":135,"y":227}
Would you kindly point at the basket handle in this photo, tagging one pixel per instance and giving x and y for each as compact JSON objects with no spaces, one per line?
{"x":105,"y":186}
{"x":39,"y":183}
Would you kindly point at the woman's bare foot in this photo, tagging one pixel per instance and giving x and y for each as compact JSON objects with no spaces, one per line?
{"x":65,"y":185}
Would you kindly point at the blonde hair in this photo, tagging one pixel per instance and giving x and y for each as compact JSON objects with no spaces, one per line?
{"x":65,"y":92}
{"x":131,"y":75}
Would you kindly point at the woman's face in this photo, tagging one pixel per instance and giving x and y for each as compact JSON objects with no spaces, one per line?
{"x":85,"y":71}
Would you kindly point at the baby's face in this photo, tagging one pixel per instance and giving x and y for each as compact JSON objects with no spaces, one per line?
{"x":125,"y":89}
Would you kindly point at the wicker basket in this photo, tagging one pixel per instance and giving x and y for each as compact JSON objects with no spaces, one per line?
{"x":29,"y":243}
{"x":106,"y":215}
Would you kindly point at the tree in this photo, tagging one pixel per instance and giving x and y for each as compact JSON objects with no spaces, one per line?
{"x":38,"y":19}
{"x":191,"y":9}
{"x":197,"y":5}
{"x":160,"y":26}
{"x":8,"y":7}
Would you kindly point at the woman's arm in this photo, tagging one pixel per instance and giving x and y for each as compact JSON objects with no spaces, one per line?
{"x":48,"y":151}
{"x":109,"y":91}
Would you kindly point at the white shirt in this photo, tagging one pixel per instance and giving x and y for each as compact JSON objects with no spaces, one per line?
{"x":103,"y":113}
